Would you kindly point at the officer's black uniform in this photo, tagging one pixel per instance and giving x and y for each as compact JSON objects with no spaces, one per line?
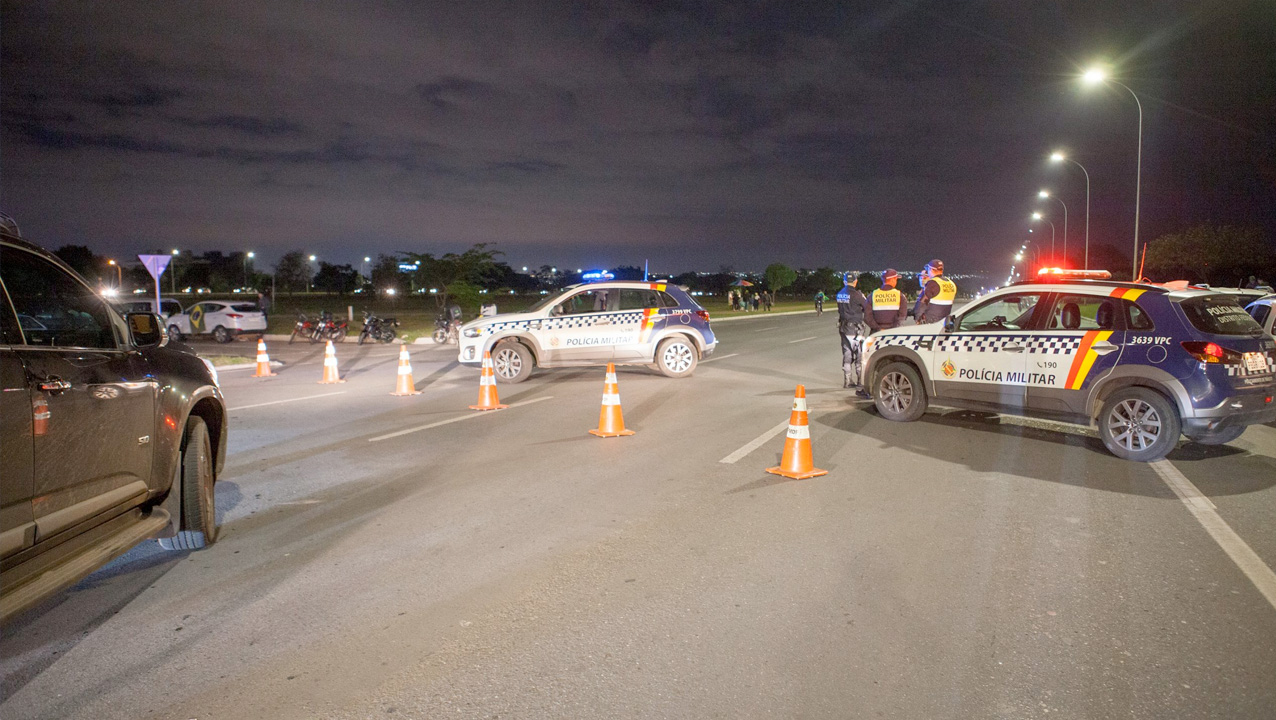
{"x":851,"y":327}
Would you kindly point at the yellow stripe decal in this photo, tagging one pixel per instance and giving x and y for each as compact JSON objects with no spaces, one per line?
{"x":1090,"y":357}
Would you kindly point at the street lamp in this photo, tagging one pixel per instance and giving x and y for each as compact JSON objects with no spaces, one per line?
{"x":1043,"y":194}
{"x":308,"y":277}
{"x":1039,"y":216}
{"x":119,"y":274}
{"x":247,"y":256}
{"x":1098,"y":76}
{"x":173,"y":267}
{"x":1060,"y":157}
{"x":366,"y":260}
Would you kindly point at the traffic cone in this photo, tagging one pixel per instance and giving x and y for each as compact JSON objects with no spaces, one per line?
{"x":406,"y":385}
{"x":330,"y":374}
{"x":488,"y":397}
{"x":796,"y":462}
{"x":40,"y":415}
{"x":610,"y":421}
{"x":263,"y":360}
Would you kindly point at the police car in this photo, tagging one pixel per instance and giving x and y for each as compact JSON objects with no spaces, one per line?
{"x":628,"y":323}
{"x":1261,"y":311}
{"x":1141,"y":362}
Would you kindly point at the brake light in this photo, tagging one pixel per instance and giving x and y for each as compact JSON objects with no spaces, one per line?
{"x":236,"y":316}
{"x":1208,"y":352}
{"x":703,"y":315}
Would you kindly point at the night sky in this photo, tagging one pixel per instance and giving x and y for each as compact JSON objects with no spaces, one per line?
{"x":596,"y":134}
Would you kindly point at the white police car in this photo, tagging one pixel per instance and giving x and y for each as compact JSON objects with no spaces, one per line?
{"x":1142,"y":362}
{"x":1261,"y":311}
{"x":628,"y":323}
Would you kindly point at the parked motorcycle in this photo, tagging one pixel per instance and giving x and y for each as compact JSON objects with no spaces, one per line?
{"x":329,"y":328}
{"x":447,"y":326}
{"x":379,"y":329}
{"x":305,"y":328}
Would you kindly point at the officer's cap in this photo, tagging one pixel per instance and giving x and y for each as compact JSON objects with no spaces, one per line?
{"x":890,"y":273}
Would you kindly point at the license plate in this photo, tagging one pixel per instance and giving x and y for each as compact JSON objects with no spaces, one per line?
{"x":1255,"y":362}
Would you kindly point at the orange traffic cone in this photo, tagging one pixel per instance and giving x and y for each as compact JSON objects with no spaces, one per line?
{"x":488,"y":397}
{"x":330,"y":374}
{"x":796,"y":462}
{"x":610,"y":421}
{"x":40,"y":415}
{"x":263,"y":360}
{"x":406,"y":386}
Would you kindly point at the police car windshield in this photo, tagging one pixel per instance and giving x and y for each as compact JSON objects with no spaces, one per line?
{"x":1220,"y":315}
{"x":548,"y":300}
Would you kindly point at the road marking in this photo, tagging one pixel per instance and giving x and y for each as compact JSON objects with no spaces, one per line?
{"x":720,"y":357}
{"x":755,"y":443}
{"x":1205,"y":513}
{"x":453,"y":420}
{"x":803,"y":339}
{"x":276,"y":402}
{"x":777,"y":327}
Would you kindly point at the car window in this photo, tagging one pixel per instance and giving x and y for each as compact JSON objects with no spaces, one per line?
{"x":1005,"y":312}
{"x":1219,"y":315}
{"x":1136,"y":318}
{"x":669,"y":300}
{"x":583,"y":302}
{"x":1083,"y":312}
{"x":9,"y":332}
{"x":636,"y":299}
{"x":1259,"y":312}
{"x":55,"y":309}
{"x":244,"y":307}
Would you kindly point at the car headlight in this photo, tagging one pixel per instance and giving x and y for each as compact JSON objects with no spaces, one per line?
{"x":212,"y":370}
{"x":472,"y":332}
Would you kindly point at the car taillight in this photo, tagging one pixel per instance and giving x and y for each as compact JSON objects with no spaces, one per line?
{"x":234,"y":315}
{"x":703,"y":315}
{"x":1208,"y":352}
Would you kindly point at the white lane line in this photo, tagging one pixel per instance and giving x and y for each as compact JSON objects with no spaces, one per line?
{"x":718,"y":357}
{"x":803,"y":339}
{"x":276,"y":402}
{"x":1204,"y":511}
{"x":453,"y":420}
{"x":777,"y":327}
{"x":755,"y":443}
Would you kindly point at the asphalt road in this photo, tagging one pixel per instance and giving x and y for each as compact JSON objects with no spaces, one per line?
{"x":406,"y":557}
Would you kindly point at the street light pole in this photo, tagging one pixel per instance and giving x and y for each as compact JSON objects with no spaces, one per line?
{"x":119,"y":275}
{"x":308,"y":276}
{"x":173,"y":268}
{"x":247,"y":256}
{"x":1039,"y":216}
{"x":1060,"y":157}
{"x":1094,"y":76}
{"x":1043,"y":194}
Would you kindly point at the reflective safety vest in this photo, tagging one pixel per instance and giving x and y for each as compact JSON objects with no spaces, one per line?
{"x":947,"y":291}
{"x":886,"y":299}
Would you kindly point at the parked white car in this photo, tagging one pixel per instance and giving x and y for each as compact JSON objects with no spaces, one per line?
{"x":167,"y":308}
{"x":222,"y":320}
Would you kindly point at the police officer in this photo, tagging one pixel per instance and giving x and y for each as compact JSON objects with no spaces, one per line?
{"x":936,"y":300}
{"x":922,"y":278}
{"x":886,"y":308}
{"x":851,"y":328}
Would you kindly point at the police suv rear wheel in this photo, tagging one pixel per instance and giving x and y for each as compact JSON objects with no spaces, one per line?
{"x":511,"y":362}
{"x":1139,"y":424}
{"x":676,"y":357}
{"x":899,"y":393}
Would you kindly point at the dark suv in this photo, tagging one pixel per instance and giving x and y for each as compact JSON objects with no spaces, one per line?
{"x":109,"y":433}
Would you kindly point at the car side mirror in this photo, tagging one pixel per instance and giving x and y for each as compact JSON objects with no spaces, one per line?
{"x":145,"y":329}
{"x":950,"y":323}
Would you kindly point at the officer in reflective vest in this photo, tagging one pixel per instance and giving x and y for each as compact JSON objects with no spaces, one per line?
{"x":937,"y":296}
{"x":886,"y":308}
{"x":851,"y":327}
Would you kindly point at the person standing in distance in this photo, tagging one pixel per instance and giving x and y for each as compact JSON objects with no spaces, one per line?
{"x":852,"y":330}
{"x":886,"y":308}
{"x":936,"y":298}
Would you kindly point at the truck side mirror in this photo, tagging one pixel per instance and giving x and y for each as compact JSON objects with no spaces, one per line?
{"x":145,"y":329}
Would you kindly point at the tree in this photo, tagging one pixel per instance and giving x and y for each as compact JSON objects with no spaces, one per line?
{"x":1215,"y":254}
{"x":292,"y":272}
{"x":868,"y":282}
{"x":336,"y":278}
{"x":385,"y":273}
{"x":779,"y":276}
{"x":81,"y":259}
{"x":469,"y":268}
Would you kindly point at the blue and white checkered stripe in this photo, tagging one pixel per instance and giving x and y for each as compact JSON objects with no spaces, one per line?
{"x":567,"y":322}
{"x":1242,"y":370}
{"x":1032,"y":344}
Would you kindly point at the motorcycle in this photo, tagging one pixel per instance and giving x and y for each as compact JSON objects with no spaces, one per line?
{"x":379,"y":329}
{"x":328,"y":328}
{"x":447,"y":326}
{"x":305,"y":328}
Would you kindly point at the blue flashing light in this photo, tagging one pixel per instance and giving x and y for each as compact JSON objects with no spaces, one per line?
{"x":596,"y":275}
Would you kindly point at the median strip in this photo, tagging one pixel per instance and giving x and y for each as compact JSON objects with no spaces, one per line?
{"x":453,"y":420}
{"x":1203,"y":509}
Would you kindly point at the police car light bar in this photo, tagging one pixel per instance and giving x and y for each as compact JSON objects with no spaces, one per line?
{"x":1061,"y":274}
{"x":597,"y":275}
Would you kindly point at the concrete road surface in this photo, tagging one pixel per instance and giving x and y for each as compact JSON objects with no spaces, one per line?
{"x":406,"y":557}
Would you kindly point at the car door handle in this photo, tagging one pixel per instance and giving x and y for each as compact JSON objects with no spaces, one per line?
{"x":1104,"y":347}
{"x":55,"y":385}
{"x":1012,"y":348}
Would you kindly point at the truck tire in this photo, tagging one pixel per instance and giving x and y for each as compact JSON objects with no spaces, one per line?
{"x":198,"y":522}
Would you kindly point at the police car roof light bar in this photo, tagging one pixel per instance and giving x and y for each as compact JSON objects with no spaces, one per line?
{"x":1049,"y":273}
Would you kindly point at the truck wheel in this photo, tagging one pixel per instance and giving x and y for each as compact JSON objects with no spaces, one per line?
{"x":222,"y":335}
{"x":511,"y":362}
{"x":676,"y":357}
{"x":198,"y":522}
{"x":899,"y":394}
{"x":1139,"y":424}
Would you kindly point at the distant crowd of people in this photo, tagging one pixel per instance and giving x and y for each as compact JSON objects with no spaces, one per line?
{"x":750,"y":302}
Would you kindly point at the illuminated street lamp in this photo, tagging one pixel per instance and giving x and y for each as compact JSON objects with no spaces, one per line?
{"x":247,"y":256}
{"x":308,"y":276}
{"x":1039,"y":216}
{"x":119,"y":273}
{"x":1099,"y":76}
{"x":172,"y":266}
{"x":1043,"y":194}
{"x":1060,"y":157}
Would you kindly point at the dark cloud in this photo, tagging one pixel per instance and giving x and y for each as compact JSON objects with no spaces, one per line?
{"x":694,"y":133}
